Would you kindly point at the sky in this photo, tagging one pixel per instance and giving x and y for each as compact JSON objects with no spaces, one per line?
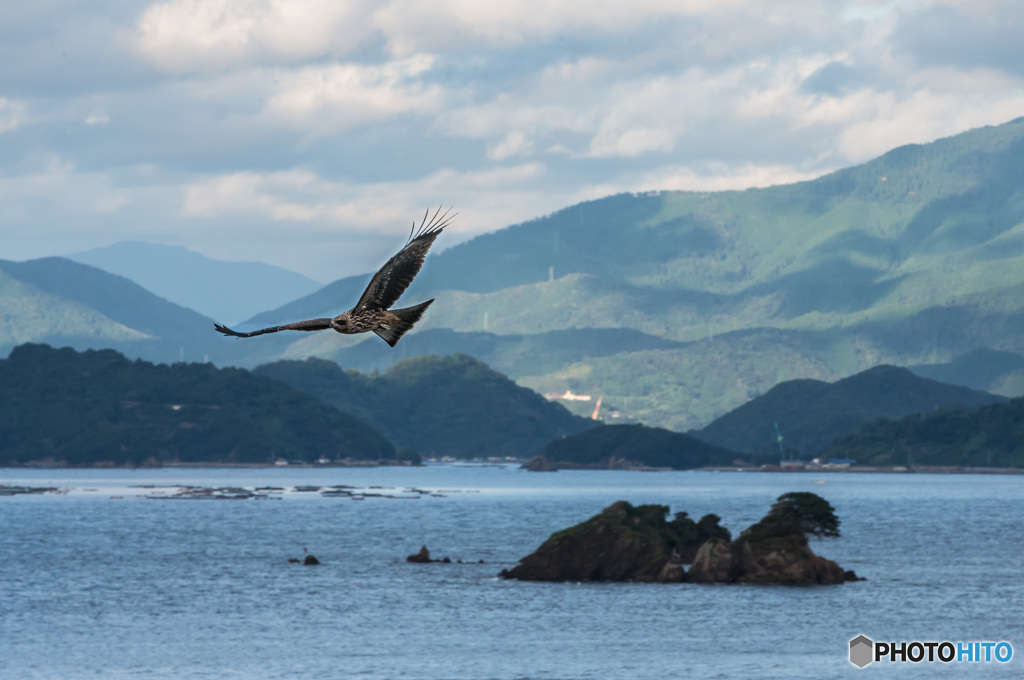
{"x":311,"y":133}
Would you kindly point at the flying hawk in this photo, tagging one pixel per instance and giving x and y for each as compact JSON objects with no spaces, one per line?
{"x":371,"y":313}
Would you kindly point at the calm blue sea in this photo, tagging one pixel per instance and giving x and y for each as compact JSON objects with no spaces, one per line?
{"x":93,"y":586}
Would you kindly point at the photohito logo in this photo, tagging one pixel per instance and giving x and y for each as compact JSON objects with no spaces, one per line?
{"x":863,"y":650}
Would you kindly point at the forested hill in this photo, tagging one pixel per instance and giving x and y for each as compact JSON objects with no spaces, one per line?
{"x":59,"y":406}
{"x":811,"y":414}
{"x":441,"y":406}
{"x":627,"y":446}
{"x":990,"y":436}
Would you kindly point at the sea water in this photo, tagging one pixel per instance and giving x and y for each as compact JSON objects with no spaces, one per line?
{"x":103,"y":582}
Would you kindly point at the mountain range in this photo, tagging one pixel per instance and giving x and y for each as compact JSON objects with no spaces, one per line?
{"x":226,"y":291}
{"x":60,"y":302}
{"x":805,"y":416}
{"x":916,"y":257}
{"x":676,"y":307}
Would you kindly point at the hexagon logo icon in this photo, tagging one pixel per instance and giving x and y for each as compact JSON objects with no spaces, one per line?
{"x":862,"y":651}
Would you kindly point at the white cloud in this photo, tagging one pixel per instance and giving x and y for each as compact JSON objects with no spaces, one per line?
{"x":514,"y":143}
{"x":12,"y":114}
{"x":301,"y":196}
{"x":411,"y":26}
{"x":888,"y":121}
{"x":335,"y":227}
{"x":721,"y":177}
{"x":631,"y":143}
{"x":204,"y":35}
{"x":331,"y":98}
{"x":303,"y":122}
{"x":92,"y":193}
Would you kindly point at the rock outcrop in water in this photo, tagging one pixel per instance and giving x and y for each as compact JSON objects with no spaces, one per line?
{"x":621,"y":543}
{"x":627,"y":543}
{"x":423,"y":557}
{"x":775,"y":550}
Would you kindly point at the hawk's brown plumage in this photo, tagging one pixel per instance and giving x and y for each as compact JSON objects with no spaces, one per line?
{"x":372,"y":313}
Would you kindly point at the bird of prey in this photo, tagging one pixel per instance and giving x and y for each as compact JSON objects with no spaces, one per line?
{"x":372,"y":313}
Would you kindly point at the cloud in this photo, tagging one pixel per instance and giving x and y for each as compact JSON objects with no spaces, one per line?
{"x":514,"y":143}
{"x":833,"y":79}
{"x":965,"y":35}
{"x":209,"y":35}
{"x":80,"y":192}
{"x":12,"y":114}
{"x":334,"y":97}
{"x":302,"y":196}
{"x":721,"y":177}
{"x":322,"y":216}
{"x":289,"y":129}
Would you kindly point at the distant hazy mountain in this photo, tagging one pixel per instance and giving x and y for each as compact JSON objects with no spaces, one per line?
{"x":513,"y":355}
{"x":226,"y":291}
{"x":330,"y":300}
{"x":913,"y":258}
{"x":983,"y":369}
{"x":811,"y":414}
{"x":60,"y":302}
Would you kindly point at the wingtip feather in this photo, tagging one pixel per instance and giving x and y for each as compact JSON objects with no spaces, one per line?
{"x":432,"y":224}
{"x":226,"y":331}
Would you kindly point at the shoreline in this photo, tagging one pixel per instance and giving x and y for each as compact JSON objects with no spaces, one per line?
{"x":389,"y":463}
{"x":878,"y":469}
{"x":869,"y":469}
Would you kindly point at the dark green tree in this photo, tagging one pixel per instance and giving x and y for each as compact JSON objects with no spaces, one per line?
{"x":805,"y":512}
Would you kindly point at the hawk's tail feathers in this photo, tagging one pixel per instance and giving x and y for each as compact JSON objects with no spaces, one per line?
{"x":406,"y":318}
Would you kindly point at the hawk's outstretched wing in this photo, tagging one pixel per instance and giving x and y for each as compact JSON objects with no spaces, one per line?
{"x":391,"y":280}
{"x":309,"y":325}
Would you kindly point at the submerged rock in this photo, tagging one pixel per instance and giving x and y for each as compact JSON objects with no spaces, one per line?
{"x":621,"y":543}
{"x":310,"y":560}
{"x":423,"y":557}
{"x":539,"y":464}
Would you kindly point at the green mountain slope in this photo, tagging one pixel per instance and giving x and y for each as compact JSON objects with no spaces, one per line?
{"x":511,"y":354}
{"x":99,"y":408}
{"x":28,"y":314}
{"x":62,"y":302}
{"x":440,"y":406}
{"x":913,"y":258}
{"x":811,"y":414}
